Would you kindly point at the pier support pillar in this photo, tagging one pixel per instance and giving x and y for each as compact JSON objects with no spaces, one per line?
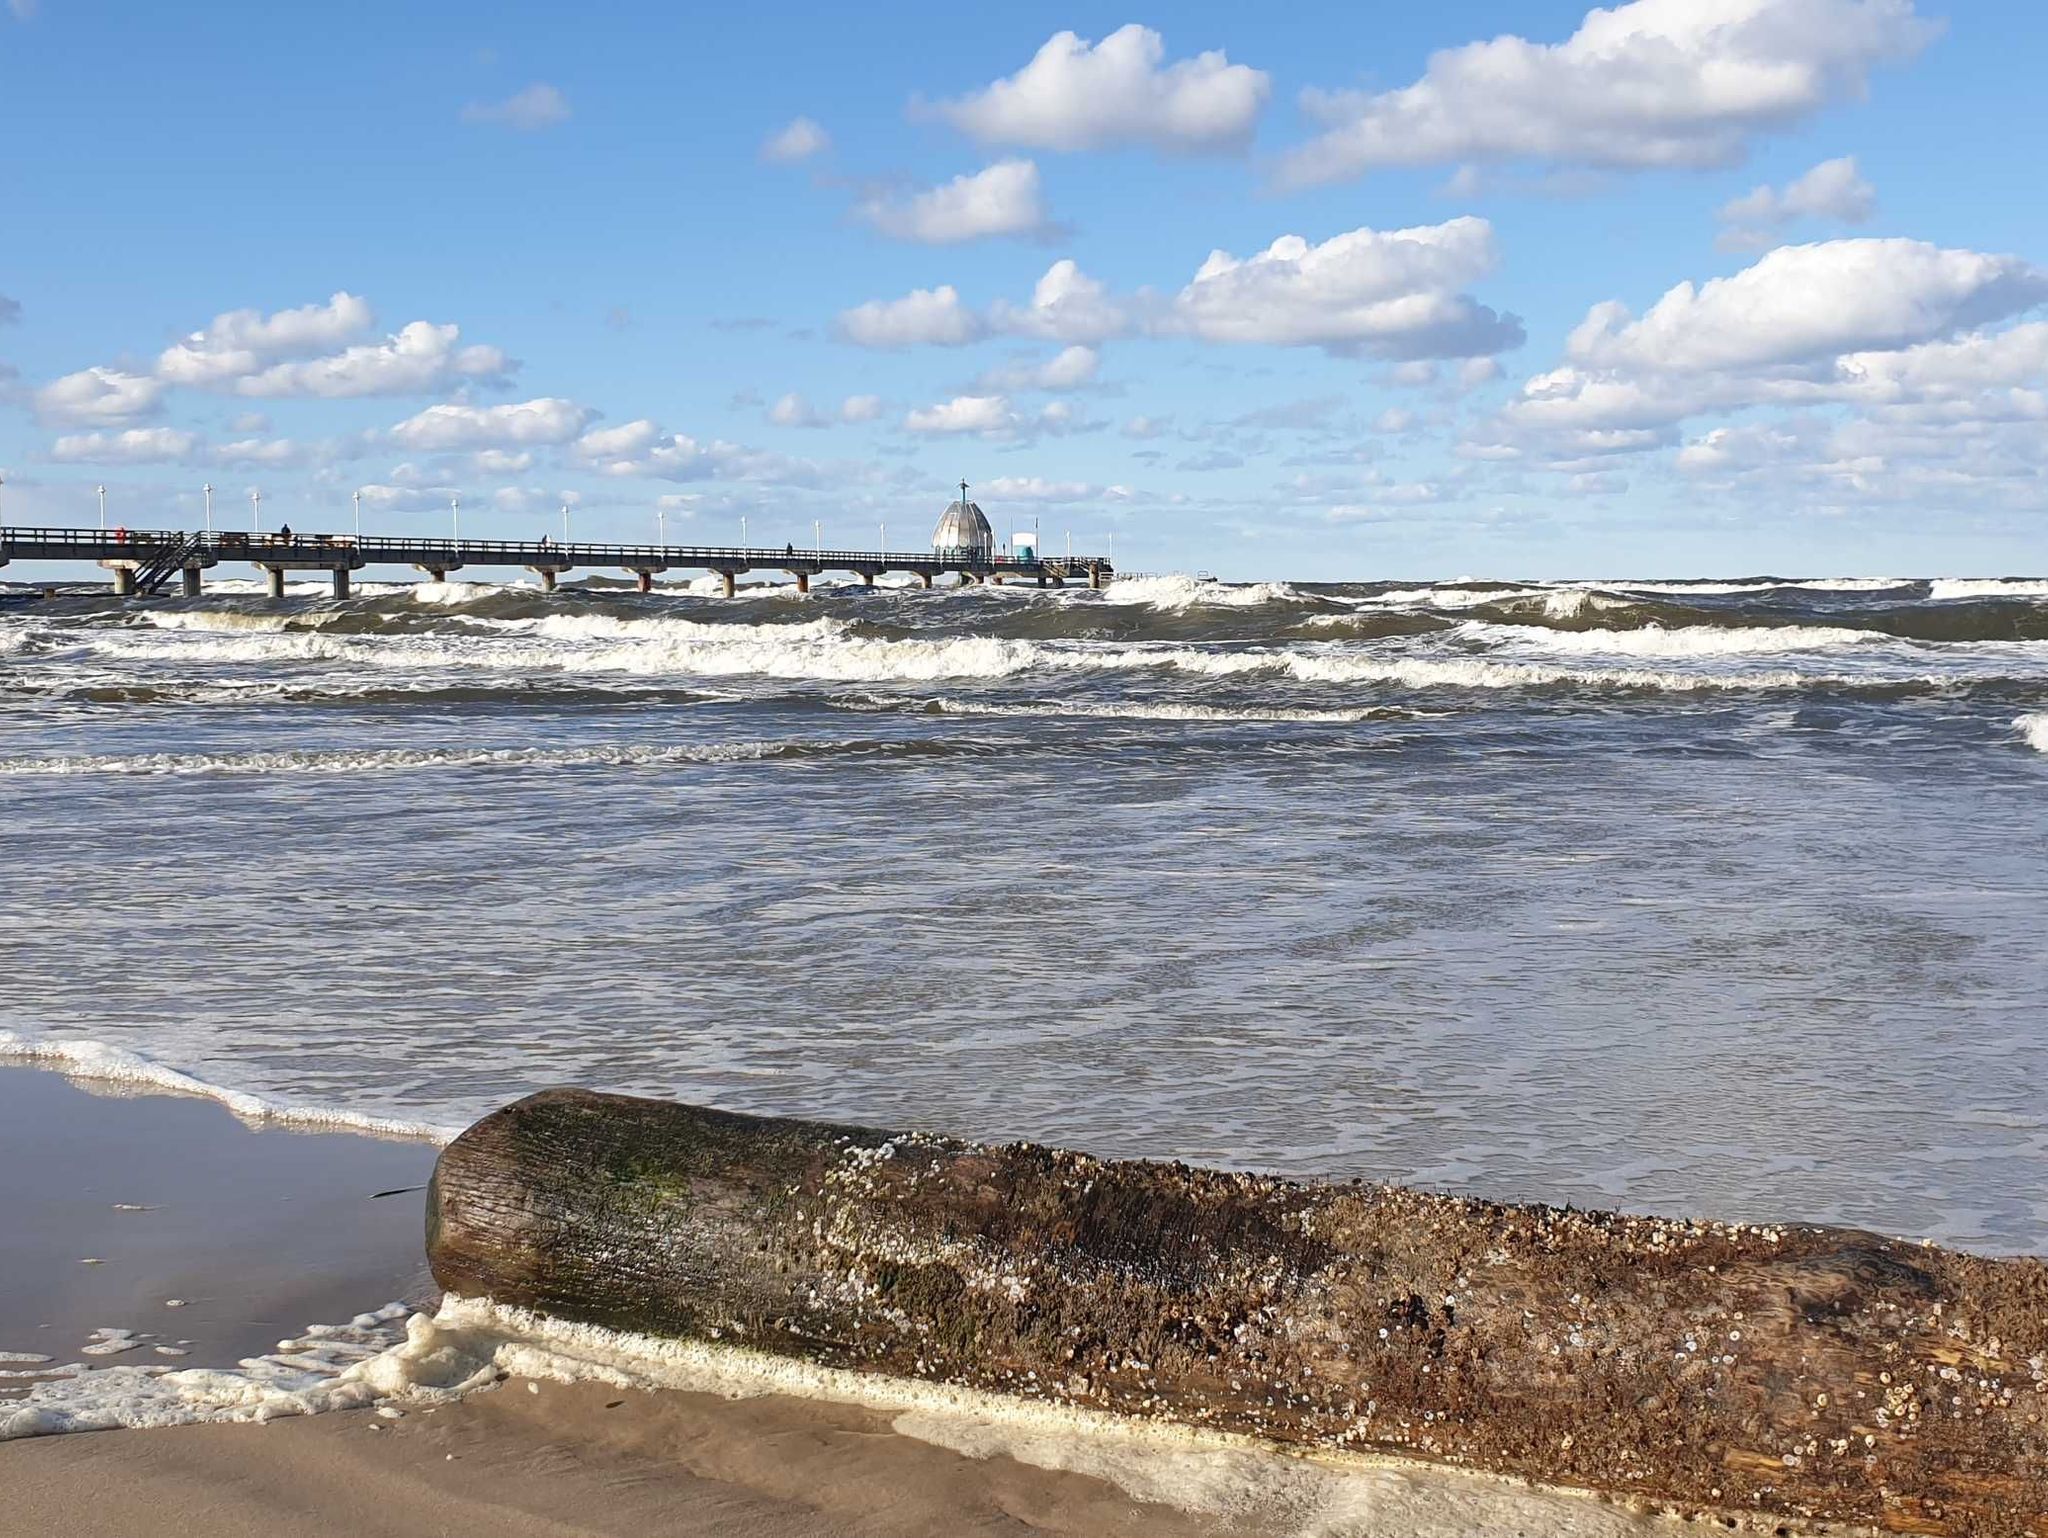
{"x":437,"y":573}
{"x":644,"y":580}
{"x":124,"y":581}
{"x":341,"y":582}
{"x":276,"y":577}
{"x":867,"y":579}
{"x":547,"y":579}
{"x":925,"y":577}
{"x":803,"y":582}
{"x":731,"y":583}
{"x":188,"y":581}
{"x":1095,"y":578}
{"x":1041,"y":579}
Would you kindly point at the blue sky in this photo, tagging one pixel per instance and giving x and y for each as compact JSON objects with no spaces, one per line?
{"x":527,"y":256}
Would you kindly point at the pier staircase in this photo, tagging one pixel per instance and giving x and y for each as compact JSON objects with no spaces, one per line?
{"x":158,"y":561}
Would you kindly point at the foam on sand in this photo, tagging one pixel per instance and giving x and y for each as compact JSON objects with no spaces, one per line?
{"x":102,"y":1062}
{"x":326,"y":1367}
{"x":470,"y":1342}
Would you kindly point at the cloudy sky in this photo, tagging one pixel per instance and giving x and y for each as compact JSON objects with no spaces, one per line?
{"x":1317,"y":290}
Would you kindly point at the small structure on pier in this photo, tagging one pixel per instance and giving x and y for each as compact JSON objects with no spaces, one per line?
{"x":964,"y":529}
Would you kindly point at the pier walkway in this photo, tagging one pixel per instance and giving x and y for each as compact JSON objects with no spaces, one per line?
{"x":143,"y":561}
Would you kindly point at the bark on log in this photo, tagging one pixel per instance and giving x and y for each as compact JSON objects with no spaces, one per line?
{"x":1818,"y":1373}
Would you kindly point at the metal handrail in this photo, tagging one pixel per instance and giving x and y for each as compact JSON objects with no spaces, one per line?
{"x":235,"y":542}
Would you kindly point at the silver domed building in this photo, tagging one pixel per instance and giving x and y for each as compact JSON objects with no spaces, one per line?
{"x":964,"y":527}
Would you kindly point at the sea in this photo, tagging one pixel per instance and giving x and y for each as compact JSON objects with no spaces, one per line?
{"x":1714,"y":897}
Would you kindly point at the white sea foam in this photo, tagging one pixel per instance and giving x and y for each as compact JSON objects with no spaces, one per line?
{"x":449,"y":594}
{"x":469,"y":1345}
{"x":1986,"y":587}
{"x":327,"y":1367}
{"x":2033,"y":730}
{"x":1680,"y":641}
{"x":229,"y":620}
{"x":385,"y":760}
{"x":1170,"y":710}
{"x":470,"y":1341}
{"x":1452,"y":597}
{"x":1177,"y":591}
{"x":826,"y":652}
{"x":103,"y":1062}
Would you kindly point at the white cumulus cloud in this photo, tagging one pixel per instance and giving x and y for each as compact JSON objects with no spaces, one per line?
{"x":1799,"y":303}
{"x":134,"y":446}
{"x":449,"y":426}
{"x":1004,"y":199}
{"x":1078,"y":95}
{"x":799,"y":139}
{"x":1069,"y":369}
{"x":1833,"y":190}
{"x":923,"y":317}
{"x":964,"y":414}
{"x":1650,"y":83}
{"x":99,"y":396}
{"x":1388,"y":293}
{"x":241,"y":342}
{"x":1066,"y":306}
{"x":538,"y":106}
{"x":421,"y":358}
{"x":1892,"y":356}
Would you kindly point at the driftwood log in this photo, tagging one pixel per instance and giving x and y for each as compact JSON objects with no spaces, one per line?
{"x":1797,"y":1372}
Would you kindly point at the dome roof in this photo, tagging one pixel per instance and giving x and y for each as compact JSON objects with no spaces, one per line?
{"x":963,"y":526}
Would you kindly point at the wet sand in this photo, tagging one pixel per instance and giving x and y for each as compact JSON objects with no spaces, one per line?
{"x":565,"y":1460}
{"x":259,"y":1231}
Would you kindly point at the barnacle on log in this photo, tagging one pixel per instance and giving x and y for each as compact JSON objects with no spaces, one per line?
{"x":1819,"y":1373}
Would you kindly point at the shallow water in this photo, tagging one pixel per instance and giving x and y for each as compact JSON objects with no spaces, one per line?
{"x":1724,"y":897}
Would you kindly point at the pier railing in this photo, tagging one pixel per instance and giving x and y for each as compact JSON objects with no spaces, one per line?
{"x":129,"y":551}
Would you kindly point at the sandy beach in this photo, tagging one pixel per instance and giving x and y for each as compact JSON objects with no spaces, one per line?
{"x":580,"y":1459}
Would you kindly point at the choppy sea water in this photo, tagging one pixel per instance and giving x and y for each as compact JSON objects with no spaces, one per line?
{"x":1713,"y":897}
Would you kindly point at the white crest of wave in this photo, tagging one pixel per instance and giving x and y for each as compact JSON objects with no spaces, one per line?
{"x":1809,"y":584}
{"x":2033,"y":730}
{"x":224,"y":620}
{"x":1986,"y":587}
{"x":825,"y":651}
{"x":447,"y":595}
{"x":103,"y":1062}
{"x":1682,"y":641}
{"x":1452,"y":597}
{"x":386,"y":760}
{"x":1171,"y":710}
{"x":606,"y":627}
{"x":1177,"y":590}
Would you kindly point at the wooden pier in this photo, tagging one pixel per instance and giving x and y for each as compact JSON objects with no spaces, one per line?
{"x":143,"y":561}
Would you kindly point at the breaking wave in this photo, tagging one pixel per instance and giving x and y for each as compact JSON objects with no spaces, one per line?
{"x":829,"y":651}
{"x":1688,"y":641}
{"x":2033,"y":730}
{"x":1179,"y":591}
{"x":390,"y":760}
{"x":1943,"y":588}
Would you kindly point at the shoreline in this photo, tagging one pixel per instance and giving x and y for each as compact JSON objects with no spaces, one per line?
{"x":267,"y":1227}
{"x":205,"y":1238}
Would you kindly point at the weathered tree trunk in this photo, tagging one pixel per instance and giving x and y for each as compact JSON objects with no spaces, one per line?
{"x":1805,"y":1372}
